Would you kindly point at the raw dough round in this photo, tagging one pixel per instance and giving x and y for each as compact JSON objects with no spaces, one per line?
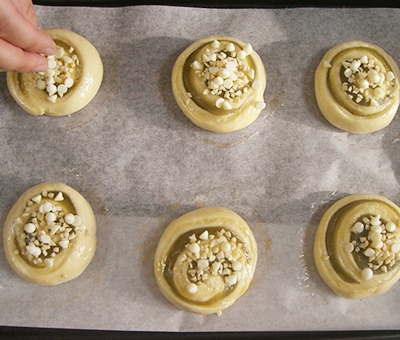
{"x":215,"y":66}
{"x":205,"y":260}
{"x":85,"y":68}
{"x":357,"y":87}
{"x":50,"y":234}
{"x":357,"y":246}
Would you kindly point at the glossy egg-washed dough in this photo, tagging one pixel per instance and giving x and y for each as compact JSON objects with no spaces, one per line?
{"x":359,"y":263}
{"x":88,"y":76}
{"x":189,"y":86}
{"x":375,"y":95}
{"x":191,"y":255}
{"x":59,"y":221}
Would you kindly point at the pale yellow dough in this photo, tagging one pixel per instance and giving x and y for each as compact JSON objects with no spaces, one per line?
{"x":189,"y":86}
{"x":192,"y":279}
{"x":335,"y":104}
{"x":343,"y":269}
{"x":88,"y":77}
{"x":58,"y":260}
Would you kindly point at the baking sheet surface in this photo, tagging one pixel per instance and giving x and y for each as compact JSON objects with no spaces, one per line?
{"x":141,"y":163}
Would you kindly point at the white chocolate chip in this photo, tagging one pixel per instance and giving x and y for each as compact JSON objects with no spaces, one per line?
{"x":69,"y":82}
{"x":51,"y":89}
{"x":202,"y":263}
{"x":369,"y":252}
{"x":69,"y":218}
{"x":230,"y":47}
{"x":248,"y":49}
{"x":231,"y":66}
{"x":260,"y":105}
{"x":77,"y":221}
{"x":256,"y":85}
{"x":236,"y":265}
{"x":41,"y":84}
{"x":358,"y":227}
{"x":364,"y":59}
{"x":390,"y":76}
{"x":192,"y":288}
{"x":395,"y":248}
{"x":51,"y":63}
{"x":219,"y":102}
{"x":204,"y":235}
{"x":226,"y":105}
{"x":215,"y":44}
{"x":64,"y":243}
{"x":52,"y":98}
{"x":327,"y":64}
{"x":54,"y":229}
{"x":197,"y":66}
{"x":33,"y":250}
{"x":225,"y":247}
{"x":59,"y":197}
{"x":194,"y":248}
{"x":59,"y":53}
{"x":374,"y":103}
{"x":231,"y":280}
{"x":29,"y":228}
{"x":367,"y":273}
{"x":349,"y":247}
{"x":44,"y":238}
{"x":49,"y":263}
{"x":390,"y":227}
{"x":37,"y":199}
{"x":50,"y":217}
{"x":45,"y":207}
{"x":375,"y":220}
{"x":62,"y":89}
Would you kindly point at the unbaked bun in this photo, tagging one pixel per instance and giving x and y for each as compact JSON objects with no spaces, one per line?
{"x":73,"y":79}
{"x":205,"y":260}
{"x":357,"y":246}
{"x":219,"y":83}
{"x":357,"y":87}
{"x":50,"y":234}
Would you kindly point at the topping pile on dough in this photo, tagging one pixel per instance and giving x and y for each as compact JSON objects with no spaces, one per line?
{"x":226,"y":74}
{"x":379,"y":243}
{"x":205,"y":260}
{"x":219,"y":83}
{"x":357,"y":246}
{"x":211,"y":254}
{"x":50,"y":234}
{"x":366,"y":82}
{"x":63,"y":71}
{"x":357,"y":87}
{"x":45,"y":228}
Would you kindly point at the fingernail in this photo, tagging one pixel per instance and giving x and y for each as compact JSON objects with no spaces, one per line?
{"x":48,"y":51}
{"x":40,"y":68}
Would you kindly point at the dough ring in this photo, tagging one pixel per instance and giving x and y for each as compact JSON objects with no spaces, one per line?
{"x":73,"y":79}
{"x":357,"y":246}
{"x":205,"y":260}
{"x":50,"y":234}
{"x":357,"y":87}
{"x":219,"y":83}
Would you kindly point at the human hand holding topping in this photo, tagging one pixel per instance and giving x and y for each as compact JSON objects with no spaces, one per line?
{"x":22,"y":43}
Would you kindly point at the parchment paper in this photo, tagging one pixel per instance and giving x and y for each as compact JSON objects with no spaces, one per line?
{"x":141,"y":163}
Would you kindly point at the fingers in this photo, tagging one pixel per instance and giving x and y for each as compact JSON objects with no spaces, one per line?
{"x":19,"y":29}
{"x":30,"y":13}
{"x":15,"y":59}
{"x":22,"y":43}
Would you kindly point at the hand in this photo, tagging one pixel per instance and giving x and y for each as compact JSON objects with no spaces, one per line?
{"x":22,"y":44}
